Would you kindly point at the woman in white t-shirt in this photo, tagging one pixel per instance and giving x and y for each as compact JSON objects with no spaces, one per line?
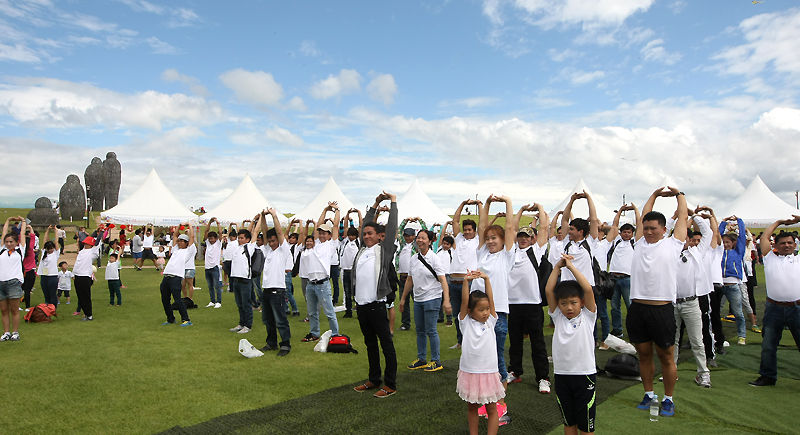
{"x":496,"y":259}
{"x":478,"y":378}
{"x":11,"y":277}
{"x":48,"y":269}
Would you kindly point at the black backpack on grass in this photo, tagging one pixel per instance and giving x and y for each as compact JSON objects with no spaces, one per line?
{"x":623,"y":366}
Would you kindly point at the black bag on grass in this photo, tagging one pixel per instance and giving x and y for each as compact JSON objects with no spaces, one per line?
{"x":623,"y":365}
{"x":340,"y":344}
{"x":188,"y":303}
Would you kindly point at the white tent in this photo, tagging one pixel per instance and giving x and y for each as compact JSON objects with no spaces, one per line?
{"x":416,"y":203}
{"x":666,"y":206}
{"x":758,"y":206}
{"x":330,"y":192}
{"x":243,"y":203}
{"x":580,"y":209}
{"x":151,"y":203}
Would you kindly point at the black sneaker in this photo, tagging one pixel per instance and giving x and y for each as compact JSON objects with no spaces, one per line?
{"x":296,"y":314}
{"x":348,"y":315}
{"x":284,"y":351}
{"x":268,"y":348}
{"x":617,"y":334}
{"x":721,"y":350}
{"x":405,"y":328}
{"x":763,"y":382}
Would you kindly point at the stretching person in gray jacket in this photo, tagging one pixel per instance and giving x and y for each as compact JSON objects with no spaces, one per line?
{"x":371,"y":286}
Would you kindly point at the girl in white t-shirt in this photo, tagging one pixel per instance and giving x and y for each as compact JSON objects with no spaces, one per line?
{"x":478,"y":377}
{"x":161,"y":259}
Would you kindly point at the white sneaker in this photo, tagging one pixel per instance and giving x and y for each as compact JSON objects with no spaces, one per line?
{"x":237,"y":328}
{"x":210,"y":304}
{"x":244,"y":330}
{"x":217,"y":305}
{"x":6,"y":336}
{"x":703,"y":380}
{"x":455,"y":346}
{"x":544,"y":386}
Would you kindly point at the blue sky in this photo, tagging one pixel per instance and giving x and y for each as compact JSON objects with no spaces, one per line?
{"x":472,"y":97}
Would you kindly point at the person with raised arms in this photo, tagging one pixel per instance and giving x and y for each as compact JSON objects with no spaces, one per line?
{"x":241,"y":278}
{"x":620,"y":255}
{"x":182,"y":248}
{"x":371,"y":287}
{"x":349,"y":248}
{"x":316,"y":259}
{"x":84,"y":276}
{"x":651,"y":317}
{"x":11,"y":276}
{"x":48,"y":270}
{"x":212,"y":266}
{"x":273,"y":301}
{"x":465,"y":258}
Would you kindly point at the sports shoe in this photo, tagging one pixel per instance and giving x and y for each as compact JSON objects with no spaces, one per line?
{"x":6,"y":336}
{"x":295,"y":314}
{"x":268,"y":348}
{"x":210,"y":304}
{"x":417,"y":364}
{"x":217,"y":305}
{"x":645,"y":403}
{"x":763,"y":382}
{"x":237,"y":328}
{"x":742,"y":341}
{"x":167,"y":323}
{"x":703,"y":380}
{"x":712,"y":362}
{"x":721,"y":350}
{"x":186,"y":323}
{"x":482,"y":411}
{"x":504,"y":420}
{"x":756,"y":329}
{"x":603,"y":346}
{"x":348,"y":315}
{"x":449,"y":323}
{"x":617,"y":334}
{"x":87,"y":319}
{"x":309,"y":338}
{"x":284,"y":351}
{"x":513,"y":378}
{"x":405,"y":328}
{"x":455,"y":346}
{"x":502,"y":409}
{"x":15,"y":336}
{"x":384,"y":393}
{"x":365,"y":386}
{"x":244,"y":330}
{"x":544,"y":386}
{"x":667,"y":408}
{"x":729,"y":318}
{"x":434,"y":366}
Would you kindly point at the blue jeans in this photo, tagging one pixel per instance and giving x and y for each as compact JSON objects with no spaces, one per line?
{"x":242,"y":288}
{"x":320,"y":294}
{"x":273,"y":316}
{"x":455,"y":302}
{"x":622,"y":290}
{"x":501,"y":331}
{"x":214,"y":285}
{"x":602,"y":316}
{"x":335,"y":281}
{"x":425,"y":315}
{"x":775,"y":319}
{"x":734,"y":296}
{"x":290,"y":291}
{"x":255,"y":296}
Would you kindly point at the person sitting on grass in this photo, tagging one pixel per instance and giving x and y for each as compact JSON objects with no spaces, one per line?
{"x":426,"y":278}
{"x":574,"y":313}
{"x":182,"y":248}
{"x":11,"y":277}
{"x":782,"y":309}
{"x":478,"y":377}
{"x":112,"y":277}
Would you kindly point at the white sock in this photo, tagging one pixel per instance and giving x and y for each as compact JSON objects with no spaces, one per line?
{"x":668,"y":397}
{"x":650,"y":394}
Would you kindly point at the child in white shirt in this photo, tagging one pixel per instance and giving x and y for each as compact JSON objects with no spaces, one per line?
{"x":65,"y":278}
{"x":112,"y":276}
{"x":574,"y":312}
{"x":161,"y":259}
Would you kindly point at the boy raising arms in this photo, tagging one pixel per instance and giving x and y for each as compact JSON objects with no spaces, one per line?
{"x":574,"y":312}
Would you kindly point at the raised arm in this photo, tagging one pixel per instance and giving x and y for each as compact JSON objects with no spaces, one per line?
{"x":457,"y":217}
{"x":47,"y":233}
{"x":192,"y":237}
{"x":208,"y":227}
{"x":336,"y":218}
{"x":175,"y":234}
{"x":565,"y":217}
{"x":554,"y":227}
{"x":511,"y":225}
{"x":593,"y":221}
{"x":483,"y":220}
{"x":766,"y":246}
{"x":277,"y":223}
{"x":544,"y":223}
{"x":588,"y":294}
{"x":683,"y":214}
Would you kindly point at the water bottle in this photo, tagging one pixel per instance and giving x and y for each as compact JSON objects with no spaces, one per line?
{"x":654,"y":408}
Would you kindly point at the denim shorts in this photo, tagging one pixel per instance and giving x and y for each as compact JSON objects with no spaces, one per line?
{"x":136,"y":255}
{"x":11,"y":289}
{"x":189,"y":273}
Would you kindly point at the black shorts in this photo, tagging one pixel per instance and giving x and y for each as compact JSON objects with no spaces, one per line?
{"x":576,"y":398}
{"x":654,"y":323}
{"x":148,"y":254}
{"x":63,"y":292}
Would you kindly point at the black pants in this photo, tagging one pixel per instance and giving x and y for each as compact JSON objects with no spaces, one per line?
{"x":751,"y":288}
{"x":61,"y":244}
{"x":716,"y":323}
{"x":527,"y":319}
{"x":705,"y":312}
{"x":83,"y":288}
{"x":405,"y":318}
{"x":348,"y":296}
{"x":171,"y":288}
{"x":27,"y":286}
{"x":335,"y":283}
{"x":374,"y":324}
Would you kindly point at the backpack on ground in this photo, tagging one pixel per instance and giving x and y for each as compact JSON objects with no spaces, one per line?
{"x":340,"y":344}
{"x":41,"y":313}
{"x":187,"y":302}
{"x":623,"y":366}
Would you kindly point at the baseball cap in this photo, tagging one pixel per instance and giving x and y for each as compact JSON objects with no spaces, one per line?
{"x":527,"y":231}
{"x":89,"y":241}
{"x":409,"y":232}
{"x":325,"y":227}
{"x":183,"y":237}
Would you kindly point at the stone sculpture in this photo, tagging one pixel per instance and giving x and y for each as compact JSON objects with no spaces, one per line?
{"x":72,"y":199}
{"x":43,"y":214}
{"x":112,"y":176}
{"x":95,"y":187}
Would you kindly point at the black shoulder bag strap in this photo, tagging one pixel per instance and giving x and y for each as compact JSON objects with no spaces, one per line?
{"x":249,"y":265}
{"x":422,"y":259}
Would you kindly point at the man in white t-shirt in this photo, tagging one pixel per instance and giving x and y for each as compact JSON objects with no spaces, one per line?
{"x":620,"y":255}
{"x":273,"y":299}
{"x":147,"y":245}
{"x":651,"y":318}
{"x":212,"y":257}
{"x":316,"y":260}
{"x":465,"y":258}
{"x":182,"y":248}
{"x":782,"y":309}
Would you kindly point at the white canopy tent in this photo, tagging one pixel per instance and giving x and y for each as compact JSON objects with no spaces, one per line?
{"x":416,"y":203}
{"x":666,"y":206}
{"x":758,"y":206}
{"x":330,"y":192}
{"x":243,"y":203}
{"x":580,"y":209}
{"x":152,"y":203}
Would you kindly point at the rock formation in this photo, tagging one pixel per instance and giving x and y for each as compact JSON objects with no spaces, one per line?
{"x":72,"y":199}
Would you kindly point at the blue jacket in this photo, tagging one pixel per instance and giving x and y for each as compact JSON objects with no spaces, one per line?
{"x":732,"y":258}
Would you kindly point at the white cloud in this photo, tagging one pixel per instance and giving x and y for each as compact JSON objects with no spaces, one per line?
{"x":254,"y":87}
{"x":783,"y":118}
{"x":771,"y":41}
{"x":296,"y":103}
{"x":309,"y":48}
{"x":600,"y":13}
{"x":382,"y":88}
{"x":172,"y":75}
{"x":677,"y":6}
{"x":161,"y":47}
{"x":491,"y":8}
{"x":283,"y":136}
{"x":580,"y":77}
{"x":562,"y":55}
{"x":53,"y":103}
{"x":654,"y":51}
{"x":347,"y":82}
{"x":470,"y":103}
{"x":18,"y":53}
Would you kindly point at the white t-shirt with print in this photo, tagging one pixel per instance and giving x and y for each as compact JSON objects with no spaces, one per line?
{"x":479,"y":346}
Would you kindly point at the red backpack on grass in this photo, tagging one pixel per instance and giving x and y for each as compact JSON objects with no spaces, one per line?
{"x":41,"y":313}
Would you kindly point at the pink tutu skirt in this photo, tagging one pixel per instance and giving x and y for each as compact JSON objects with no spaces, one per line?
{"x":480,"y":388}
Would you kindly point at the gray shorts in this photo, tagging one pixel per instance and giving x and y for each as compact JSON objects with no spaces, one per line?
{"x":189,"y":273}
{"x":11,"y":289}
